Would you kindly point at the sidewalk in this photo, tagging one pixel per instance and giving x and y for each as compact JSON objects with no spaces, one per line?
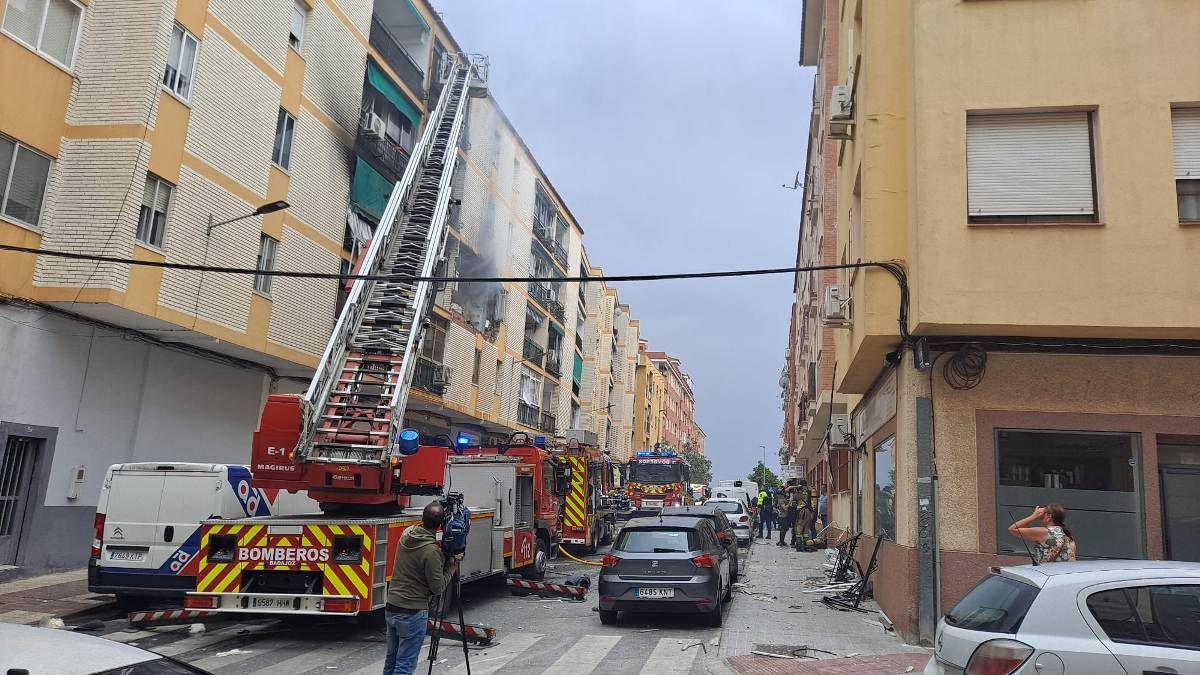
{"x":34,"y":599}
{"x":793,"y":619}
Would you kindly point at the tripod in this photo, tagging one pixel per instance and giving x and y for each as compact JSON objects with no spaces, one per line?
{"x":453,"y":588}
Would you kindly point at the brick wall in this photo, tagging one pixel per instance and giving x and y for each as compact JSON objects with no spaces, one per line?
{"x":335,"y":64}
{"x":119,"y":62}
{"x":302,"y":310}
{"x":262,"y":24}
{"x":232,"y":128}
{"x":321,"y":171}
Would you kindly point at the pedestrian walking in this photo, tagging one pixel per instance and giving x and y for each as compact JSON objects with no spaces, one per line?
{"x":1052,"y":541}
{"x":766,"y":513}
{"x":420,"y":573}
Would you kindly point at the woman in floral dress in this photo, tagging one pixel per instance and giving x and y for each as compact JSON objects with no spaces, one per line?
{"x":1052,"y":541}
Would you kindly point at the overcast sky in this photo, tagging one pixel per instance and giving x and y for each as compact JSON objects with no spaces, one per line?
{"x":669,"y":126}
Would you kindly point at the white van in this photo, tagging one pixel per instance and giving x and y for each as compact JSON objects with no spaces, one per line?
{"x":147,"y":528}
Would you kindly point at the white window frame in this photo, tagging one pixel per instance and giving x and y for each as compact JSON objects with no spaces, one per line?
{"x":173,"y":86}
{"x":6,"y":189}
{"x":159,"y":184}
{"x":37,"y":49}
{"x":1185,"y":148}
{"x":301,"y":10}
{"x":268,"y":256}
{"x":282,"y":157}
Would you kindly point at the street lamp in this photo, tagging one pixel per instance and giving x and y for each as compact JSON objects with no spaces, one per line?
{"x":269,"y":207}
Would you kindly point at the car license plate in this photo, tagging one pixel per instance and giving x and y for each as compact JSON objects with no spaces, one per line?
{"x":127,"y":556}
{"x":656,"y":592}
{"x":271,"y":603}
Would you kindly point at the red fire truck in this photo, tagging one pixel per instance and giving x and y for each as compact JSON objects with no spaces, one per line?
{"x":588,"y":517}
{"x":657,"y":478}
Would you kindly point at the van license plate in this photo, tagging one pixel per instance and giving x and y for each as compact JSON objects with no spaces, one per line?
{"x":271,"y":603}
{"x":128,"y":556}
{"x":656,"y":592}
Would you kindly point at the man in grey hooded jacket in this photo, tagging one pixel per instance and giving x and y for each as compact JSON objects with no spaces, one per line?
{"x":420,"y":573}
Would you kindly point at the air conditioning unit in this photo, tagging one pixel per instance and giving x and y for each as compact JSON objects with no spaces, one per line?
{"x":841,"y":103}
{"x":834,"y":309}
{"x":499,"y":306}
{"x":442,"y":375}
{"x":374,"y":125}
{"x":840,"y":433}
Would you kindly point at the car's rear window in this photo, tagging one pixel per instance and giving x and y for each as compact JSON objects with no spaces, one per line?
{"x":997,"y":605}
{"x":729,"y":507}
{"x":658,"y":540}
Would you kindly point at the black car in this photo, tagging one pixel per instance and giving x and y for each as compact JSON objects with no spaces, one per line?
{"x":666,"y":564}
{"x":725,"y":532}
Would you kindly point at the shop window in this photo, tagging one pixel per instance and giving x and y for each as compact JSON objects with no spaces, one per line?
{"x":885,"y":489}
{"x":1092,"y":474}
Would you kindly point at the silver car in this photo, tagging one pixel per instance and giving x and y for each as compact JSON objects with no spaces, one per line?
{"x":1124,"y":617}
{"x":62,"y":652}
{"x":666,"y":564}
{"x":737,"y":513}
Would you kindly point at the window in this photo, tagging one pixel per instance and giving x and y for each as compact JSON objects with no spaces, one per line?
{"x":531,"y":385}
{"x":657,"y":540}
{"x":1030,"y":168}
{"x":152,"y":221}
{"x":1167,"y":615}
{"x":1035,"y":467}
{"x":265,"y":263}
{"x":1185,"y":132}
{"x":23,"y":176}
{"x":885,"y":489}
{"x":299,"y":17}
{"x":475,"y":367}
{"x":996,"y":605}
{"x":433,"y":343}
{"x":397,"y":128}
{"x":181,"y":63}
{"x":49,"y":26}
{"x":284,"y":127}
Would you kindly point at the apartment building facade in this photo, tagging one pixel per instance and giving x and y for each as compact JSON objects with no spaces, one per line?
{"x":258,"y":134}
{"x":649,"y":402}
{"x":1040,"y":193}
{"x":678,"y":424}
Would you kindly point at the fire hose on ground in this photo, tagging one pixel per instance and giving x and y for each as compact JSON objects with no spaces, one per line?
{"x":578,"y":560}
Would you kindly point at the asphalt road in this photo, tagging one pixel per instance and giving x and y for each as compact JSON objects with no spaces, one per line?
{"x":534,"y":635}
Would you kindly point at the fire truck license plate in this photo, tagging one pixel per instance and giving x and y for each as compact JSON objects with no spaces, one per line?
{"x":271,"y":603}
{"x":130,"y":556}
{"x":656,"y":592}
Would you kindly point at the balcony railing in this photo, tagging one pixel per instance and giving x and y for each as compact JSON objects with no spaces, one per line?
{"x":383,"y":154}
{"x":553,"y":364}
{"x":427,"y":376}
{"x":556,"y":309}
{"x":527,"y":414}
{"x":547,"y":423}
{"x":533,"y":352}
{"x":544,"y":233}
{"x":547,"y":298}
{"x":396,"y":57}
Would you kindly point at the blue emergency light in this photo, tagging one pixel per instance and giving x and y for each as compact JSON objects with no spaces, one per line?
{"x":410,"y":441}
{"x":539,"y":442}
{"x":461,"y":443}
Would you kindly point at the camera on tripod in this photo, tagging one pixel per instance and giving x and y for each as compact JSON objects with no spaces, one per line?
{"x":456,"y":523}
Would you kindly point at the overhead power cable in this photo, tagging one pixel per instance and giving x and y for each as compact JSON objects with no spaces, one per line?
{"x":894,"y":268}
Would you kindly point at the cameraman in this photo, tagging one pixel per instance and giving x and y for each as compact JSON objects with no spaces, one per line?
{"x":421,"y":573}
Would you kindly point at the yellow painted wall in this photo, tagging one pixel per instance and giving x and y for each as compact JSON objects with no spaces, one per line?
{"x":1139,"y":269}
{"x":37,"y":117}
{"x":925,"y":65}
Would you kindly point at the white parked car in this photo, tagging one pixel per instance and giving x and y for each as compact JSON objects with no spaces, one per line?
{"x":46,"y":651}
{"x":1125,"y":617}
{"x":738,"y":515}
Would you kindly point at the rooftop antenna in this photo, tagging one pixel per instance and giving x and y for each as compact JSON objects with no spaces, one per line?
{"x":796,"y":184}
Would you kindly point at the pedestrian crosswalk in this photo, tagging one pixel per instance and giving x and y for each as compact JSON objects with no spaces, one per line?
{"x":265,"y":648}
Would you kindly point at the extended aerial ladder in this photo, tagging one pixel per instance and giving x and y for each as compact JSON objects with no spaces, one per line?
{"x":341,"y":440}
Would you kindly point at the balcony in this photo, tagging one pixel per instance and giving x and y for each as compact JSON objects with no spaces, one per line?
{"x":553,"y":364}
{"x":548,"y":298}
{"x":527,"y":415}
{"x":547,"y":423}
{"x":397,"y":57}
{"x":533,"y":352}
{"x":544,"y":232}
{"x":384,"y":155}
{"x":428,"y":377}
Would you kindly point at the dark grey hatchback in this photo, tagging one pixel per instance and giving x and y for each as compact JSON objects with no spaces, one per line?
{"x":666,"y":564}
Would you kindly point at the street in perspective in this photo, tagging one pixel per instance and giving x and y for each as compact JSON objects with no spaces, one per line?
{"x":307,"y":365}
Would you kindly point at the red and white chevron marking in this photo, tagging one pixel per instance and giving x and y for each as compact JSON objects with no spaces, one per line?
{"x":169,"y":615}
{"x":472,"y":632}
{"x":547,"y":587}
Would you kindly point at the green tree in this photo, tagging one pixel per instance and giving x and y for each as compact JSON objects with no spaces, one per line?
{"x":700,"y":466}
{"x":764,"y":476}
